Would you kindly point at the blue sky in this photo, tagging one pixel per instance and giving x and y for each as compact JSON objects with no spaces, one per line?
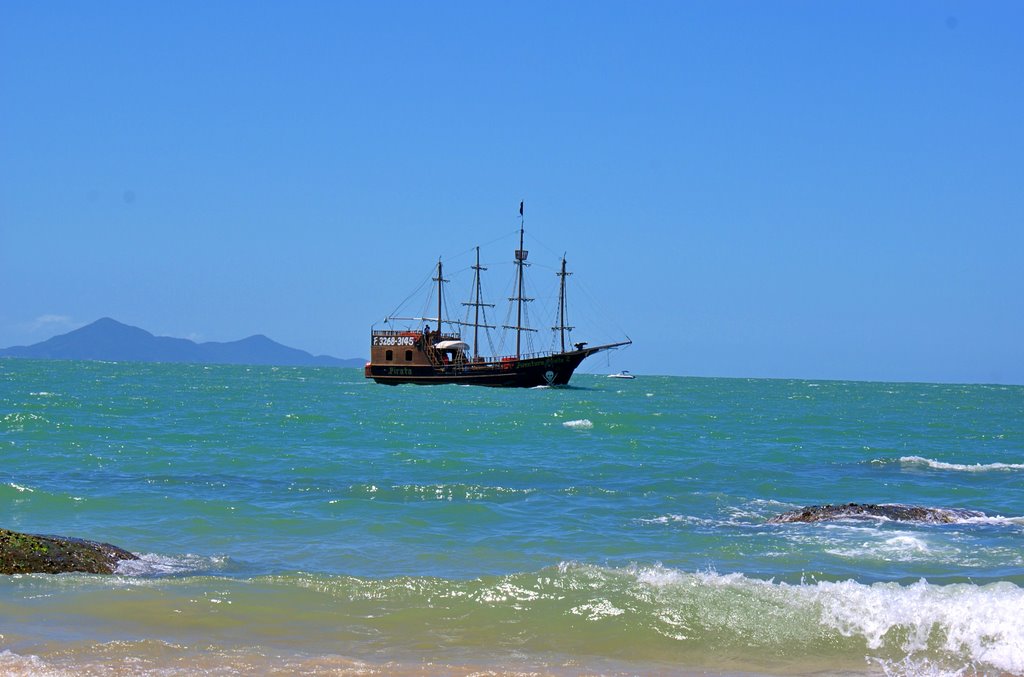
{"x":763,"y":189}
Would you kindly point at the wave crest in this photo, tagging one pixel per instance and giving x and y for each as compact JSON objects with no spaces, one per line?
{"x":959,"y":467}
{"x":151,"y":564}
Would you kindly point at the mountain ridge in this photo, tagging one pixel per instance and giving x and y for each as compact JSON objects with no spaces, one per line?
{"x":110,"y":340}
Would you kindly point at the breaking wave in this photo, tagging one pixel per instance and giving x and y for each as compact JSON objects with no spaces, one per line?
{"x":950,"y":626}
{"x":151,"y":564}
{"x":663,"y":613}
{"x":959,"y":467}
{"x":649,"y":617}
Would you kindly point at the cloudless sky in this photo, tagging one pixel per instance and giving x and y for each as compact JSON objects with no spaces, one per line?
{"x":763,"y":189}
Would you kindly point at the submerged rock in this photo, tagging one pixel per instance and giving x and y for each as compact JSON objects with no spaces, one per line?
{"x":892,"y":511}
{"x":32,"y":554}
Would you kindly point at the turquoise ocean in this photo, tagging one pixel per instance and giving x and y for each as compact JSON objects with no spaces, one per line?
{"x":299,"y":520}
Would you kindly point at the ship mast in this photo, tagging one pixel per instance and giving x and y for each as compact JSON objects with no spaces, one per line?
{"x":477,"y":305}
{"x":520,"y":257}
{"x":476,"y":308}
{"x":519,"y":298}
{"x":440,"y":291}
{"x":562,"y":326}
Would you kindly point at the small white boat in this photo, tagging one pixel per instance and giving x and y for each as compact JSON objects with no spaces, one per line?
{"x":622,"y":374}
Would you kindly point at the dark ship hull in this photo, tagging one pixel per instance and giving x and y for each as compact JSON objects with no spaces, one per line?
{"x":527,"y":372}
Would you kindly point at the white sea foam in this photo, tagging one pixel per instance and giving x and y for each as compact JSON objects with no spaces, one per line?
{"x":151,"y":564}
{"x":18,"y":420}
{"x":659,"y":576}
{"x":15,"y":664}
{"x":580,"y":424}
{"x":896,"y":549}
{"x":960,"y":467}
{"x":978,"y":623}
{"x":908,"y":543}
{"x":665,"y":519}
{"x":996,"y":520}
{"x":507,"y":591}
{"x":738,"y":518}
{"x":595,"y":611}
{"x":751,"y":513}
{"x":20,"y":488}
{"x":687,"y":519}
{"x":910,"y":666}
{"x":983,"y":622}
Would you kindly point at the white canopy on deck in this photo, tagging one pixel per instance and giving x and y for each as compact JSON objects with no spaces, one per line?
{"x":452,"y":345}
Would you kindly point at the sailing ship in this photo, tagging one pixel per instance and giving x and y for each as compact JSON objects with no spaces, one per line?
{"x":441,"y":355}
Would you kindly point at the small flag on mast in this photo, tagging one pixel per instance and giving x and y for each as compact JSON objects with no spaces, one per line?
{"x":520,"y":209}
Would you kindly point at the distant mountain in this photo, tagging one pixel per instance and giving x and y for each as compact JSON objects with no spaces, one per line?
{"x":110,"y":340}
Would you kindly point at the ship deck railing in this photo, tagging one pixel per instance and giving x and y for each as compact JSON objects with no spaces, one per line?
{"x":406,"y":332}
{"x":409,"y":332}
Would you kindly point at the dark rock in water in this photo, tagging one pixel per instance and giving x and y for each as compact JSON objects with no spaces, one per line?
{"x":892,"y":511}
{"x":31,"y":554}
